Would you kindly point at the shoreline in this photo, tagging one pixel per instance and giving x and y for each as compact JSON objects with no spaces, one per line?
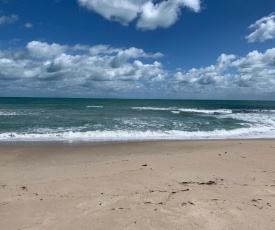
{"x":204,"y":185}
{"x":72,"y":143}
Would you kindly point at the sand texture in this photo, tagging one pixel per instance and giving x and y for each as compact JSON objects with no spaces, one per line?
{"x":148,"y":185}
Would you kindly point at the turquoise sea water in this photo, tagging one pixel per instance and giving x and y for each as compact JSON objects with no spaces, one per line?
{"x":42,"y":119}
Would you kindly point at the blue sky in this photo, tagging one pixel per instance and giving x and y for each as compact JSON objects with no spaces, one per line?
{"x":138,"y":48}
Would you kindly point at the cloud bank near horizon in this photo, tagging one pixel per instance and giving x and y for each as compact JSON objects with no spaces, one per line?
{"x":252,"y":73}
{"x":94,"y":69}
{"x":104,"y":70}
{"x":149,"y":15}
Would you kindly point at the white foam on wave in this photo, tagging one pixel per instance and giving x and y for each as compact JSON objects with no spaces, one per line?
{"x":154,"y":108}
{"x":176,"y":110}
{"x":97,"y":136}
{"x":255,"y":118}
{"x":186,"y":110}
{"x":9,"y":114}
{"x":207,"y":111}
{"x":18,"y":113}
{"x":94,"y":106}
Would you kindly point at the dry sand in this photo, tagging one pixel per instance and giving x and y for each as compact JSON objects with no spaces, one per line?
{"x":148,"y":185}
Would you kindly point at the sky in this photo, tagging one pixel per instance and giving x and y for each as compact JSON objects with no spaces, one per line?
{"x":169,"y":49}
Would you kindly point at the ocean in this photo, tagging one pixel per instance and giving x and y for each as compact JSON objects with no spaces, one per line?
{"x":97,"y":120}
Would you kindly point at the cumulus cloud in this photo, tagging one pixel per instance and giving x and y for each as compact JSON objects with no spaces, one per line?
{"x":210,"y":75}
{"x":44,"y":50}
{"x":263,"y":29}
{"x":8,"y":19}
{"x":149,"y":14}
{"x":123,"y":11}
{"x":103,"y":70}
{"x":102,"y":49}
{"x":256,"y":69}
{"x":132,"y":53}
{"x":163,"y":14}
{"x":95,"y":68}
{"x":256,"y":60}
{"x":255,"y":72}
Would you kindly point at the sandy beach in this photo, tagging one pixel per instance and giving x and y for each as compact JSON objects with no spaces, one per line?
{"x":225,"y":184}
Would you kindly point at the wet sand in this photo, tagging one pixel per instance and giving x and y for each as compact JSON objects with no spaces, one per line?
{"x":225,"y":184}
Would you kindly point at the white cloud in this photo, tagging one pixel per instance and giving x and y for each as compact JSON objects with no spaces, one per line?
{"x":264,"y":29}
{"x":95,"y":69}
{"x":211,"y":75}
{"x":123,"y":11}
{"x":163,"y":14}
{"x":256,"y":69}
{"x":44,"y":50}
{"x":103,"y":70}
{"x":149,"y":15}
{"x":103,"y":49}
{"x":8,"y":19}
{"x":29,"y":25}
{"x":256,"y":60}
{"x":131,"y":53}
{"x":255,"y":73}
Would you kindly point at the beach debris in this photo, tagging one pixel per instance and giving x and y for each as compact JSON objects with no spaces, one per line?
{"x":24,"y":188}
{"x":184,"y":190}
{"x":186,"y":182}
{"x":144,"y":165}
{"x":162,"y":191}
{"x":211,"y":182}
{"x":147,"y":202}
{"x":4,"y":203}
{"x":258,"y":201}
{"x":259,"y":207}
{"x":191,"y":203}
